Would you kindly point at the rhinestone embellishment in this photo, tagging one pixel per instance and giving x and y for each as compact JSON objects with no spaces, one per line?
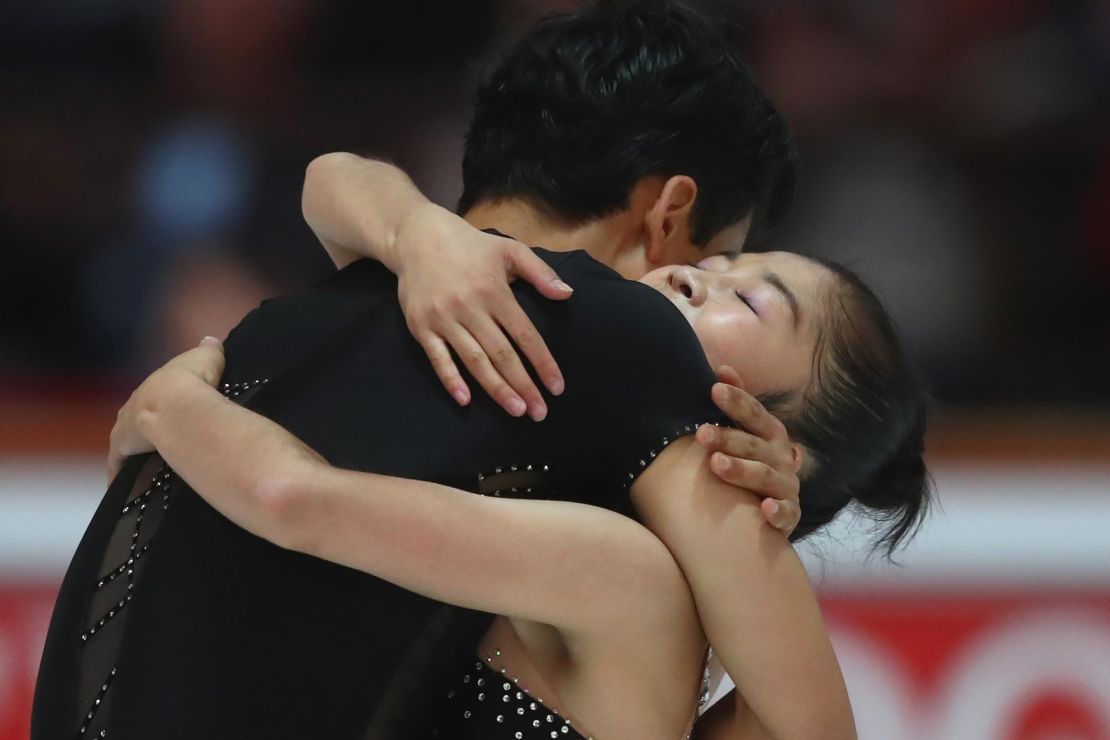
{"x":643,"y":462}
{"x":526,"y":716}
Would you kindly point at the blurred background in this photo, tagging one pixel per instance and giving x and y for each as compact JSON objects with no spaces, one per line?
{"x":955,"y":153}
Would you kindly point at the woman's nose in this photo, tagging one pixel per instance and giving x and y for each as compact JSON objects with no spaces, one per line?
{"x":687,"y":281}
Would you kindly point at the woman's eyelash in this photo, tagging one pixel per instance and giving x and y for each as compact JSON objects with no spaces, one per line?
{"x":747,"y":302}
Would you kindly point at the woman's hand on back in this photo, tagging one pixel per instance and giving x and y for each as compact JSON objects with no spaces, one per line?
{"x":205,"y":361}
{"x":758,"y":456}
{"x":453,"y":285}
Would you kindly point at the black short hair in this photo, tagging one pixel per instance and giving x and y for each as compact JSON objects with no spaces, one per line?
{"x":587,"y":104}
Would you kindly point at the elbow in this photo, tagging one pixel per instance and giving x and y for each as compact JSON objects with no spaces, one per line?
{"x":322,"y":170}
{"x":280,"y":498}
{"x":324,"y":163}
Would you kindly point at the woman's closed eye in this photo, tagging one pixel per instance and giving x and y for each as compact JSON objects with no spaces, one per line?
{"x":747,"y":302}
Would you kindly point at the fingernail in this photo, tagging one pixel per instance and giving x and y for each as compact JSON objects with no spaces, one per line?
{"x":560,"y":285}
{"x":723,"y":463}
{"x":517,"y":407}
{"x":775,"y":507}
{"x":720,"y":393}
{"x":556,"y":386}
{"x":461,"y":396}
{"x":210,"y":340}
{"x":710,"y":433}
{"x":539,"y":412}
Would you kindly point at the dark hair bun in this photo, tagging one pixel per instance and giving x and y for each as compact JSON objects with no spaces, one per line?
{"x":899,"y":492}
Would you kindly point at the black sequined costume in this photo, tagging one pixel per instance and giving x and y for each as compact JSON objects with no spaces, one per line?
{"x":487,"y":702}
{"x":172,"y":622}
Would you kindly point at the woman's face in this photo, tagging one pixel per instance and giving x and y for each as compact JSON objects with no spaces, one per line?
{"x":758,"y":313}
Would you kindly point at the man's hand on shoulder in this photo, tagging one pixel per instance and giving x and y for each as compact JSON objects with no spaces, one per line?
{"x":757,"y":456}
{"x":453,"y":284}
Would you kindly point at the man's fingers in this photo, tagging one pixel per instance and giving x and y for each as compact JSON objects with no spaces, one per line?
{"x":535,"y":350}
{"x":726,"y":374}
{"x":505,"y":360}
{"x":759,"y":478}
{"x":527,"y":265}
{"x":782,"y":515}
{"x":444,"y":365}
{"x":739,"y":443}
{"x":474,"y":357}
{"x":745,"y":410}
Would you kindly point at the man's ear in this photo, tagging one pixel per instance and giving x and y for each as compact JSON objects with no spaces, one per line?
{"x":667,"y":222}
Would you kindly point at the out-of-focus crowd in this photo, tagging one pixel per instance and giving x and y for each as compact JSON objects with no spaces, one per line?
{"x":955,"y":152}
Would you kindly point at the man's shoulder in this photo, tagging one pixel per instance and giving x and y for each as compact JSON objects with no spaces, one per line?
{"x":617,"y":312}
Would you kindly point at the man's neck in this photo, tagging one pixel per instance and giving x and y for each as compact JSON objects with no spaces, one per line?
{"x":602,"y":238}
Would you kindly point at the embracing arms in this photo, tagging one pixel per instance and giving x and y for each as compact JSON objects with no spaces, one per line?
{"x":418,"y":535}
{"x":751,"y":592}
{"x":453,"y":280}
{"x":453,"y":283}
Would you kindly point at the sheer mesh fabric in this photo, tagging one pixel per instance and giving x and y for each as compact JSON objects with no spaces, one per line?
{"x":132,"y":543}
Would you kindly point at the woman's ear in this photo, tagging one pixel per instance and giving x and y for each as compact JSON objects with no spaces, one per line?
{"x":667,"y":222}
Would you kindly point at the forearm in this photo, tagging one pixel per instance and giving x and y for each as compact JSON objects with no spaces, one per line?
{"x":405,"y":531}
{"x":238,"y":459}
{"x":357,"y":206}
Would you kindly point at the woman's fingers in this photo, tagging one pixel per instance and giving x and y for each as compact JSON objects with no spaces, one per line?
{"x":504,"y":367}
{"x":462,"y":301}
{"x":478,"y":363}
{"x":444,"y":365}
{"x":527,"y":265}
{"x":520,"y":328}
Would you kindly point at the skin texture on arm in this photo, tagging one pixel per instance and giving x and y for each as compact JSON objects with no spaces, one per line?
{"x":420,"y":536}
{"x":752,"y":594}
{"x":337,"y":190}
{"x":730,"y":719}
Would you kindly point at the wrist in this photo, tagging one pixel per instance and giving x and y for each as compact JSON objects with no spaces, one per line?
{"x":165,"y":390}
{"x":415,"y":234}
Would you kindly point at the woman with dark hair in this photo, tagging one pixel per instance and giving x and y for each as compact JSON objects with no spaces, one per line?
{"x":583,"y":590}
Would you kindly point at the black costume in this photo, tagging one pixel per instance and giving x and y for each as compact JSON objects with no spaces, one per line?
{"x":485,"y":702}
{"x":172,"y":622}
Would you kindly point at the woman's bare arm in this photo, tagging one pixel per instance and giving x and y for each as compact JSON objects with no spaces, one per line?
{"x":540,"y":560}
{"x":453,"y":280}
{"x":752,"y":594}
